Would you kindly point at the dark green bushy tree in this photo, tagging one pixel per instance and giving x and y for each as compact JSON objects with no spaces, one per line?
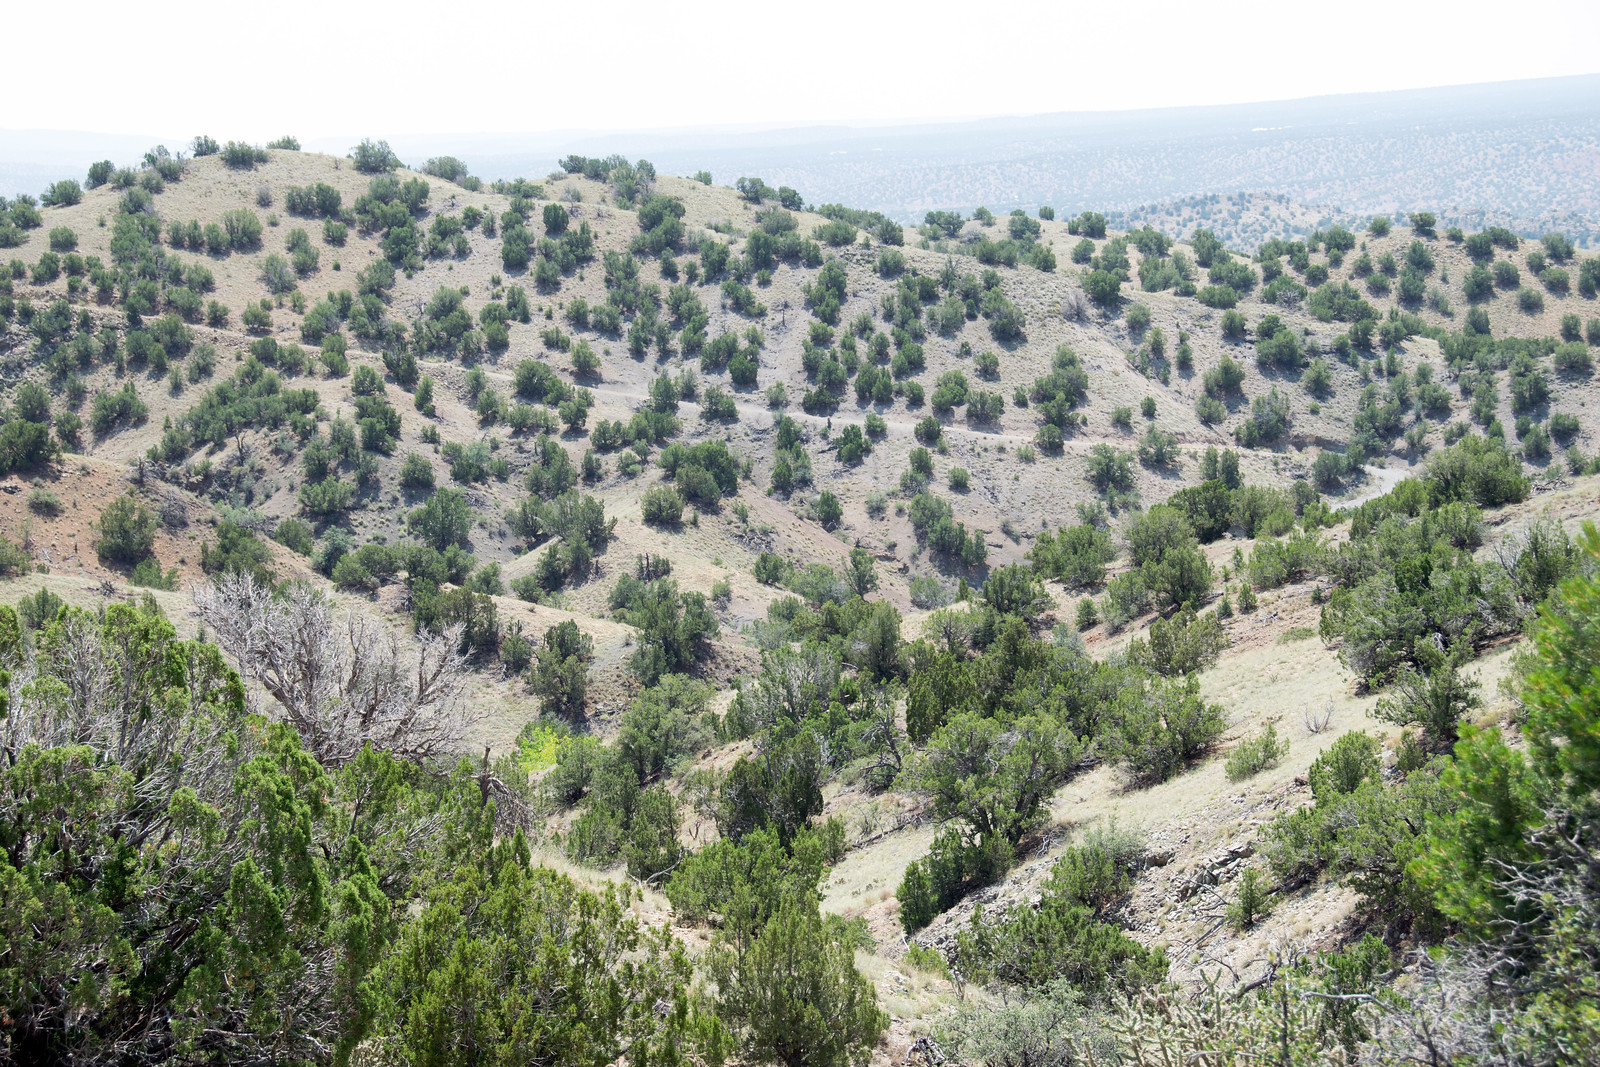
{"x":127,"y":530}
{"x":675,"y":629}
{"x":374,"y":157}
{"x":445,"y":520}
{"x":1162,"y":727}
{"x":795,"y":996}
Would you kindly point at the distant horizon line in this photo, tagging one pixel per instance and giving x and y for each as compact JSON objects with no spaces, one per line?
{"x":922,"y":123}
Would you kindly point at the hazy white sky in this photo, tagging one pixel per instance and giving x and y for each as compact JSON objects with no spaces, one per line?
{"x":317,"y":69}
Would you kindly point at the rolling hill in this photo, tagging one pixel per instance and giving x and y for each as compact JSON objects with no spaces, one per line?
{"x":873,"y":459}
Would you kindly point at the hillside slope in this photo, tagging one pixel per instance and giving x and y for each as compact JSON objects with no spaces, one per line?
{"x":516,"y":406}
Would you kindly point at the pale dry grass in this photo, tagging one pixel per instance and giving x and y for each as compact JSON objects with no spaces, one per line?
{"x":1273,"y":683}
{"x":870,"y":875}
{"x":78,"y":591}
{"x":912,"y":997}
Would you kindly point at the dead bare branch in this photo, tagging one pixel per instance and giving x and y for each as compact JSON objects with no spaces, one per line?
{"x":342,"y":682}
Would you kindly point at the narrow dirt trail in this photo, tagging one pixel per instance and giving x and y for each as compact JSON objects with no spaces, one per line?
{"x":757,"y":416}
{"x":1381,"y":481}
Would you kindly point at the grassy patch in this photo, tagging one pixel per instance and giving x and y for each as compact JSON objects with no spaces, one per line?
{"x":539,"y":745}
{"x":925,"y":959}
